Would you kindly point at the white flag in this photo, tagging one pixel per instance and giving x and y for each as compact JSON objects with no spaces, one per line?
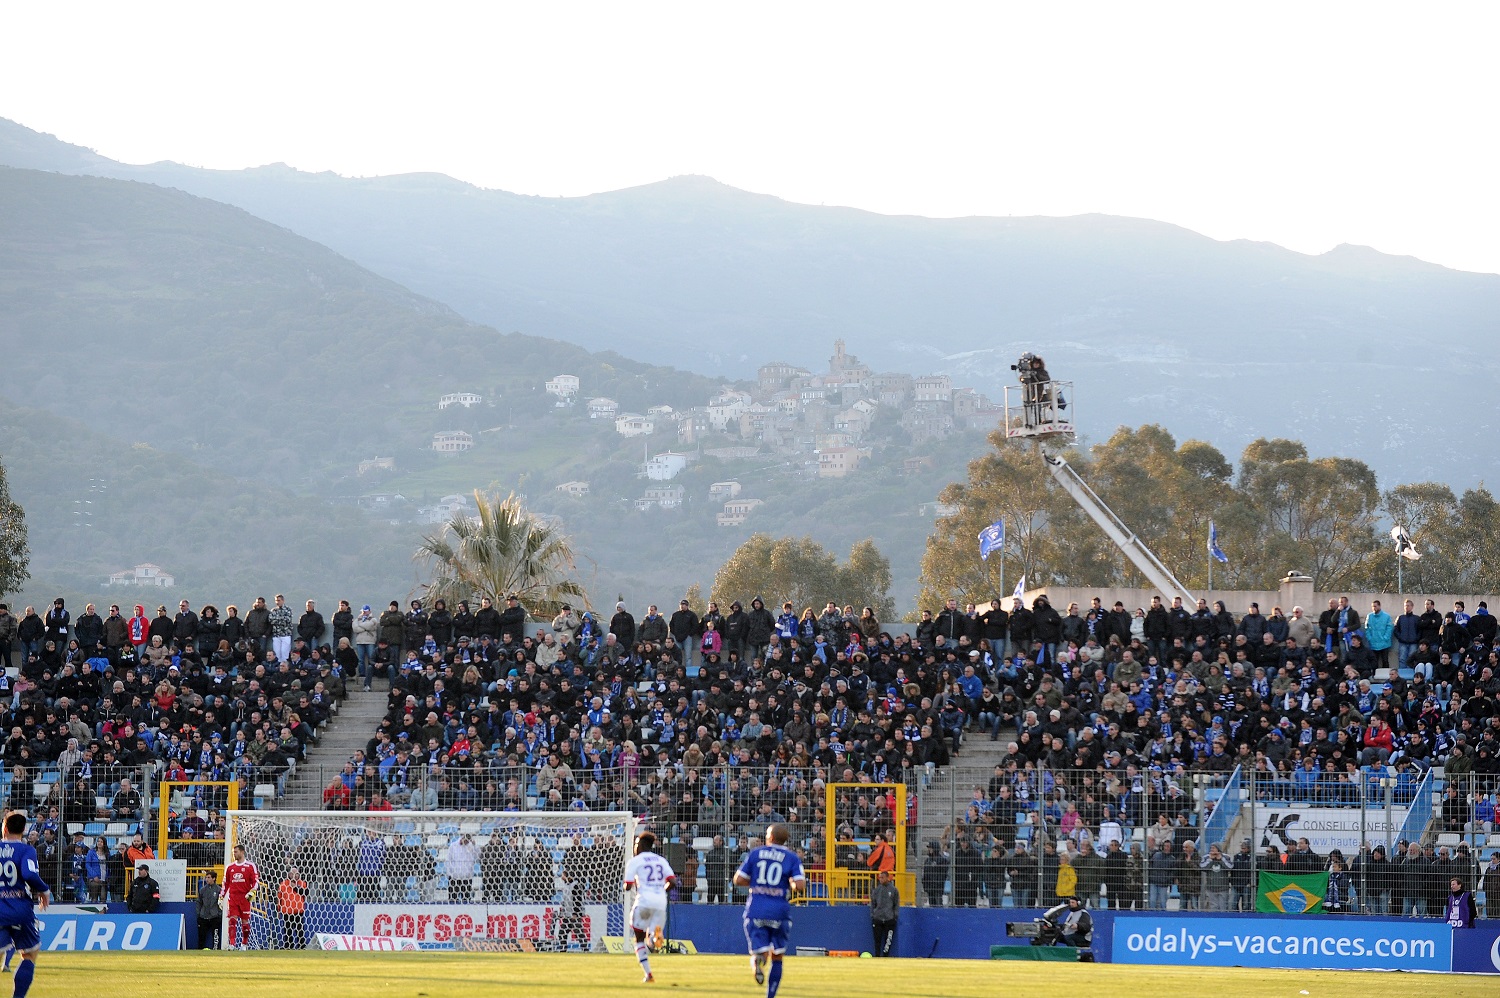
{"x":1404,"y":547}
{"x":1020,"y":586}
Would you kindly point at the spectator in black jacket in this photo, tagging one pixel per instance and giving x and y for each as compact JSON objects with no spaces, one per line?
{"x":1022,"y":627}
{"x":1073,"y":629}
{"x":343,"y":623}
{"x":1047,"y":623}
{"x":994,"y":625}
{"x":759,"y":628}
{"x":512,"y":620}
{"x":1242,"y":879}
{"x":487,"y":620}
{"x":310,"y":626}
{"x":184,"y":626}
{"x":414,"y":627}
{"x":89,"y":629}
{"x":57,"y":622}
{"x":952,"y":623}
{"x":145,"y":893}
{"x":622,"y":625}
{"x":162,"y":626}
{"x":440,"y":624}
{"x":685,"y":628}
{"x":1430,"y":625}
{"x":1158,"y":629}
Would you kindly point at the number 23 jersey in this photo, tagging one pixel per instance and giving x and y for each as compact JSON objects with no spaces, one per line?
{"x":649,"y":873}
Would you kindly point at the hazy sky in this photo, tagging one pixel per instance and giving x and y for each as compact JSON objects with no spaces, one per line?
{"x":1307,"y":124}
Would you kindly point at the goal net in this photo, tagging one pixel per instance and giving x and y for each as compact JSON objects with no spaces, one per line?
{"x":549,"y":880}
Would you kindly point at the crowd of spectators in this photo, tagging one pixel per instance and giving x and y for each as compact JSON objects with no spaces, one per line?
{"x":742,"y":713}
{"x":101,"y":707}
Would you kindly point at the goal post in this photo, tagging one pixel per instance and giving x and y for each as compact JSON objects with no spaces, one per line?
{"x":553,"y":879}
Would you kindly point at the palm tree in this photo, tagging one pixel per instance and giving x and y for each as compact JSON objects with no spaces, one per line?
{"x":505,"y":549}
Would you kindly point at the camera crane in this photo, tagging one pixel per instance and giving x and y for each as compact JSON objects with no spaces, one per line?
{"x":1037,"y":409}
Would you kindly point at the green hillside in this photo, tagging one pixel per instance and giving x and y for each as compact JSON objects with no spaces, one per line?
{"x":192,"y":326}
{"x":222,"y":378}
{"x":95,"y":505}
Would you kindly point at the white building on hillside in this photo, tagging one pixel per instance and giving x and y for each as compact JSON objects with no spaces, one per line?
{"x":465,"y":399}
{"x":145,"y":574}
{"x":451,"y":441}
{"x":663,"y":496}
{"x":736,"y":511}
{"x":603,"y":408}
{"x":575,"y":489}
{"x":665,"y":466}
{"x":726,"y":408}
{"x":633,"y":424}
{"x":564,"y":386}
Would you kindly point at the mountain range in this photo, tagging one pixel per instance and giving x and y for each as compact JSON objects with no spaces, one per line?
{"x":1223,"y":341}
{"x":193,"y":387}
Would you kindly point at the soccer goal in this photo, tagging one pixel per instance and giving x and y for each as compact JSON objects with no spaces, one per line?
{"x":548,"y":880}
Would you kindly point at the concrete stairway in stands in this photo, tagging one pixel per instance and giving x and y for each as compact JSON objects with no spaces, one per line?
{"x":348,"y":730}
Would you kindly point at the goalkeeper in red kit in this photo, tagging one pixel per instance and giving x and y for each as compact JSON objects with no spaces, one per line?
{"x":240,"y":880}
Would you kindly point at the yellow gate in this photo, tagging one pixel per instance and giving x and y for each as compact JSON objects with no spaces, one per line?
{"x":857,"y":816}
{"x":192,"y":804}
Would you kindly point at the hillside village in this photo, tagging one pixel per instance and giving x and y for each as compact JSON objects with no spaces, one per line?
{"x":793,"y":411}
{"x":811,"y":425}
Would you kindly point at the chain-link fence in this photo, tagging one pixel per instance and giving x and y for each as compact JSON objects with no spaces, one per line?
{"x":705,"y":817}
{"x":1011,"y":836}
{"x":1391,"y":842}
{"x":85,"y":824}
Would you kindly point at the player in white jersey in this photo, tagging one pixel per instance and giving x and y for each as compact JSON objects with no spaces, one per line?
{"x":651,"y":876}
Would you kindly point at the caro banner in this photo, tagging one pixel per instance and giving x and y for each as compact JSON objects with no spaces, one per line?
{"x":1290,"y":943}
{"x":442,"y":923}
{"x":85,"y":931}
{"x":1327,"y":828}
{"x":1291,"y":893}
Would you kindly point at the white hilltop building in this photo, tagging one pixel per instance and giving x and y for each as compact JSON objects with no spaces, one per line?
{"x":144,"y":574}
{"x":576,"y":489}
{"x":662,"y":496}
{"x":603,"y":408}
{"x":445,"y":509}
{"x":726,"y":408}
{"x":633,"y":424}
{"x":451,"y":441}
{"x":736,"y":511}
{"x":665,"y":466}
{"x":565,"y":387}
{"x":466,"y":399}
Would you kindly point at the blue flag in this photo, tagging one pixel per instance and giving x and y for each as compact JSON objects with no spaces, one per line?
{"x":1214,"y":551}
{"x":1020,"y":587}
{"x":990,"y":538}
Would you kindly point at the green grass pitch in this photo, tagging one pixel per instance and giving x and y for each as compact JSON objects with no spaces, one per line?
{"x":468,"y":975}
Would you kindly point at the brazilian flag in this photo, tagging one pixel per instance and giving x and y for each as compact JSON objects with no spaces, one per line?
{"x":1291,"y":894}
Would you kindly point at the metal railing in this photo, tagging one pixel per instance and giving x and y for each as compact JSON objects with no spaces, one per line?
{"x":1389,"y":842}
{"x":1006,"y":846}
{"x":89,"y":804}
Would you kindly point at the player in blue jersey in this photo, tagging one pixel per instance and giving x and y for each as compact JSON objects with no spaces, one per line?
{"x":22,"y":891}
{"x":773,"y":873}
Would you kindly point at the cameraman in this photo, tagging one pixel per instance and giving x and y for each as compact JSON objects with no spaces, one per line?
{"x":1071,"y":924}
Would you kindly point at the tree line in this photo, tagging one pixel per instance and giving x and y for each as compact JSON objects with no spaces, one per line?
{"x":1280,"y":510}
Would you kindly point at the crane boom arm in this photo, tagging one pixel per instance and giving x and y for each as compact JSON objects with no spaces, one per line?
{"x":1125,"y":539}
